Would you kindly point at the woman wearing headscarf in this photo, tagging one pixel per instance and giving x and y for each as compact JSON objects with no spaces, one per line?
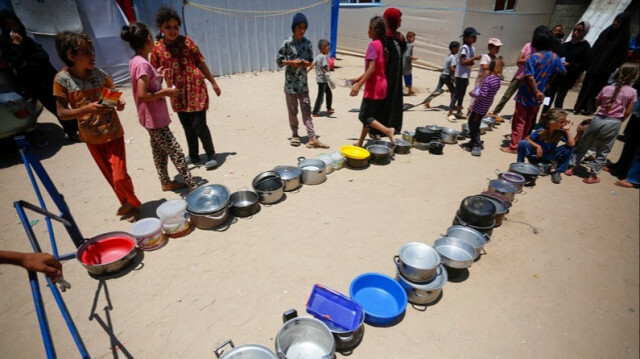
{"x":394,"y":46}
{"x":608,"y":53}
{"x":576,"y":55}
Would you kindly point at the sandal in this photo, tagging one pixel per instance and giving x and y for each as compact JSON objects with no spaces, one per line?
{"x":294,"y":141}
{"x":452,"y":118}
{"x":316,"y":144}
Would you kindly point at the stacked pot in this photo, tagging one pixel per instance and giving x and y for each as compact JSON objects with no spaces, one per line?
{"x":476,"y":212}
{"x":208,"y":206}
{"x":420,"y":272}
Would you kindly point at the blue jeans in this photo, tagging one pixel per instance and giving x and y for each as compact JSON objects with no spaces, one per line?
{"x":560,"y":154}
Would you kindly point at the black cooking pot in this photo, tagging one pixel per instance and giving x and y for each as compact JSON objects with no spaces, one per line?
{"x":380,"y":155}
{"x":484,"y":230}
{"x":477,"y":211}
{"x":435,"y":147}
{"x":425,"y":134}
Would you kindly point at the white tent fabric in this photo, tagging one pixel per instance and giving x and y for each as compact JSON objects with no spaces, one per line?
{"x":37,"y":17}
{"x":600,"y":15}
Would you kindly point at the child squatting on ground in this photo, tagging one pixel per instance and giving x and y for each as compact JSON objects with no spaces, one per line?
{"x":615,"y":103}
{"x":407,"y":59}
{"x":296,"y":54}
{"x":447,"y":75}
{"x":149,"y":96}
{"x":542,"y":145}
{"x":375,"y":83}
{"x":465,"y":60}
{"x":186,"y":71}
{"x":323,"y":78}
{"x":77,"y":89}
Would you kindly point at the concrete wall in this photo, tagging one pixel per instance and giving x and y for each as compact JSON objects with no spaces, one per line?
{"x":567,"y":13}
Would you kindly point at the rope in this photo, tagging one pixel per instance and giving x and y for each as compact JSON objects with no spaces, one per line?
{"x":256,"y":13}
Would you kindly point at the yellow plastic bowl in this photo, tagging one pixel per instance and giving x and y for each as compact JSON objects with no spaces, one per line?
{"x":354,"y":152}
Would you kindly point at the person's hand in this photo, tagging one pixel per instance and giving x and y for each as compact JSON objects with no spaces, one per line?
{"x":121,"y":104}
{"x":565,"y":64}
{"x":539,"y":96}
{"x":42,"y":262}
{"x":169,"y":92}
{"x":354,"y":90}
{"x":96,"y":108}
{"x":471,"y":94}
{"x":567,"y":126}
{"x":16,"y":38}
{"x":539,"y":152}
{"x":295,"y":63}
{"x":305,"y":63}
{"x":477,"y":57}
{"x":216,"y":89}
{"x":581,"y":128}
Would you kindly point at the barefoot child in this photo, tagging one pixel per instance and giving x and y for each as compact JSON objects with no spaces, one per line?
{"x":465,"y":61}
{"x":407,"y":59}
{"x":187,"y":71}
{"x":446,"y":77}
{"x":296,"y":54}
{"x":375,"y":83}
{"x":77,"y":89}
{"x":615,"y":103}
{"x":153,"y":115}
{"x":323,"y":78}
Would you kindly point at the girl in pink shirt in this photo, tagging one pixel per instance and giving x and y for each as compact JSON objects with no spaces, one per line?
{"x":375,"y":83}
{"x":151,"y":105}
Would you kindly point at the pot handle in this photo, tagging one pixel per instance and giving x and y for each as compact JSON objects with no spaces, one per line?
{"x":216,"y":218}
{"x":347,"y":338}
{"x":486,"y":237}
{"x":289,"y":314}
{"x":415,"y":292}
{"x":302,"y":158}
{"x":131,"y":254}
{"x":218,"y":350}
{"x":396,"y":260}
{"x":498,"y":173}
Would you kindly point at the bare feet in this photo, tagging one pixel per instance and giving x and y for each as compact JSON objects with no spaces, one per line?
{"x":173,"y":185}
{"x":427,"y":105}
{"x":624,"y":183}
{"x":508,"y":150}
{"x":591,"y":180}
{"x":316,"y":144}
{"x":390,"y":132}
{"x":124,"y":209}
{"x":569,"y":172}
{"x":131,"y":216}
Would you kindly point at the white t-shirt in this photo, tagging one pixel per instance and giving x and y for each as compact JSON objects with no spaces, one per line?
{"x":463,"y":71}
{"x":485,"y":60}
{"x":321,"y":61}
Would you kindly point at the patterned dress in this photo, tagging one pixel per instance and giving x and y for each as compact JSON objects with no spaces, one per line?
{"x":181,"y":59}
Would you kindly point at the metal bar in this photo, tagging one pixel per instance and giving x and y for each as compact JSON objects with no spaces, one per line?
{"x":44,"y":212}
{"x":42,"y":316}
{"x":67,"y":318}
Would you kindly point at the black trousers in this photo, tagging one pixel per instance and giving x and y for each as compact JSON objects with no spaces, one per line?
{"x":474,"y":128}
{"x":591,"y":87}
{"x":461,"y":88}
{"x":195,"y":127}
{"x":323,"y":88}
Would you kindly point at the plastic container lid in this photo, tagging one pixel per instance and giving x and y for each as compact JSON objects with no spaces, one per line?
{"x":331,"y":306}
{"x":172,"y":208}
{"x":146,"y":227}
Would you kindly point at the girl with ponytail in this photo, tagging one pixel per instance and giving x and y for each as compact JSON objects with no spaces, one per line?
{"x":615,"y":104}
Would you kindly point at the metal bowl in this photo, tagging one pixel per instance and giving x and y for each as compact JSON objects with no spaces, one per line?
{"x":455,"y":252}
{"x":100,"y":258}
{"x":417,"y":261}
{"x":469,"y":235}
{"x":425,"y":293}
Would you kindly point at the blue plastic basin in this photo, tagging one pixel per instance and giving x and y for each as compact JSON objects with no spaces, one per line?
{"x":384,"y":301}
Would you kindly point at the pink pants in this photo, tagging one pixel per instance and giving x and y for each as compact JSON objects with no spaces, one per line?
{"x":521,"y":123}
{"x":305,"y":108}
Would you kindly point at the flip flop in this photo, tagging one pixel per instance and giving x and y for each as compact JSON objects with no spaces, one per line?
{"x":294,"y":141}
{"x":452,"y":118}
{"x":591,"y":180}
{"x":316,"y":144}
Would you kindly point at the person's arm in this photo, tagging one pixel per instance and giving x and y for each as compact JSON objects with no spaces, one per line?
{"x":65,"y":113}
{"x":522,"y":59}
{"x":571,"y":141}
{"x":207,"y":74}
{"x":539,"y":152}
{"x":38,"y":262}
{"x":144,"y":95}
{"x":628,"y":110}
{"x":371,"y":68}
{"x":313,"y":64}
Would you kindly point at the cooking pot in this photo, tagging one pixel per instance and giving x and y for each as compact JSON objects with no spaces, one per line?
{"x":516,"y":179}
{"x":247,"y":351}
{"x":502,"y":208}
{"x":291,"y":175}
{"x":484,"y":128}
{"x":477,"y":211}
{"x":488,"y":231}
{"x":107,"y":253}
{"x":313,"y":171}
{"x":489,"y":121}
{"x":402,"y":147}
{"x":304,"y":338}
{"x":269,"y":187}
{"x":469,"y":235}
{"x":465,"y":130}
{"x":450,"y":135}
{"x":345,"y":341}
{"x":380,"y":155}
{"x":435,"y":147}
{"x":424,"y":293}
{"x":386,"y":144}
{"x":208,"y":199}
{"x":417,"y":261}
{"x":422,"y":146}
{"x":545,"y":168}
{"x":528,"y":171}
{"x":455,"y":252}
{"x":408,"y":136}
{"x":210,"y":220}
{"x":426,"y":134}
{"x":244,"y":203}
{"x":503,"y":187}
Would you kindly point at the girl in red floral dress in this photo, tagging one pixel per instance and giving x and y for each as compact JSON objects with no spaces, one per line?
{"x":184,"y":68}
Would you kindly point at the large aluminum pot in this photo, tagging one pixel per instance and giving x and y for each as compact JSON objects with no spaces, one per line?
{"x":208,"y":199}
{"x":516,"y":179}
{"x":99,"y":260}
{"x":455,"y":252}
{"x":528,"y":171}
{"x":450,"y":135}
{"x":424,"y":293}
{"x":291,"y":175}
{"x":313,"y":171}
{"x":210,"y":220}
{"x":417,"y":261}
{"x":304,"y":338}
{"x":503,"y":187}
{"x":269,"y":187}
{"x":469,"y":235}
{"x":247,"y":351}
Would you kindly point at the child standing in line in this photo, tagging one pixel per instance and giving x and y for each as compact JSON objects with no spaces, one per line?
{"x":323,"y":78}
{"x":484,"y":71}
{"x":483,"y":100}
{"x":448,"y":70}
{"x":407,"y":59}
{"x":375,"y":83}
{"x":296,"y":54}
{"x":77,"y":89}
{"x":615,"y":102}
{"x":153,"y":115}
{"x":187,"y":71}
{"x":465,"y":61}
{"x":538,"y":71}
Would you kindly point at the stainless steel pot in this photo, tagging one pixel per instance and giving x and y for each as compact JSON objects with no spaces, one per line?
{"x":269,"y":187}
{"x":291,"y":175}
{"x":516,"y":179}
{"x":502,"y":208}
{"x":210,"y":220}
{"x":408,"y":136}
{"x":247,"y":351}
{"x":422,"y":146}
{"x":469,"y":235}
{"x":112,"y":267}
{"x":455,"y":252}
{"x":208,"y":198}
{"x":346,"y":341}
{"x":545,"y":168}
{"x":304,"y":338}
{"x":244,"y":203}
{"x":528,"y":171}
{"x":313,"y":171}
{"x":489,"y":121}
{"x":403,"y":147}
{"x":417,"y":261}
{"x":465,"y":130}
{"x":380,"y":154}
{"x":450,"y":135}
{"x":425,"y":293}
{"x":503,"y":187}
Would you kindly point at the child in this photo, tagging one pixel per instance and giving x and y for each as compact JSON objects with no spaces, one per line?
{"x":375,"y":83}
{"x":296,"y":54}
{"x":483,"y":100}
{"x":186,"y":70}
{"x":323,"y":79}
{"x":77,"y":88}
{"x":448,"y":69}
{"x":407,"y":59}
{"x":153,"y":115}
{"x":464,"y":62}
{"x":615,"y":104}
{"x":493,"y":47}
{"x":538,"y":71}
{"x":542,"y":144}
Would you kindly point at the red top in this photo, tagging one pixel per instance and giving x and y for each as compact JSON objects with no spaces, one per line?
{"x":376,"y":86}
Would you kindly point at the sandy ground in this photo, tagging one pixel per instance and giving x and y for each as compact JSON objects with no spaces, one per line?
{"x":568,"y":289}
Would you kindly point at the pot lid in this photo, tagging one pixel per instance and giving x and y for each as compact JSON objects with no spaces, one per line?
{"x":525,"y":168}
{"x":501,"y":207}
{"x":478,"y":206}
{"x":288,"y":172}
{"x":379,"y":149}
{"x":503,"y":186}
{"x":208,"y":199}
{"x":434,"y":128}
{"x":513,"y":177}
{"x":402,"y":143}
{"x":438,"y":281}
